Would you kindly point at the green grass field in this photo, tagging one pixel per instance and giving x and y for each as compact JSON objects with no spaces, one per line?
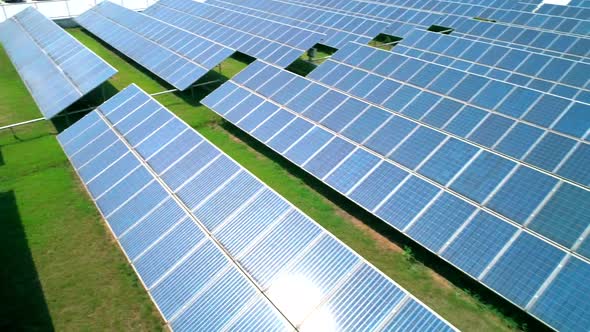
{"x":62,"y":269}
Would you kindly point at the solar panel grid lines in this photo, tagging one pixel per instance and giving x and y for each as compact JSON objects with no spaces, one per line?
{"x":331,"y":72}
{"x":337,"y":26}
{"x":277,"y":43}
{"x":501,"y":15}
{"x":44,"y":54}
{"x":579,"y":3}
{"x":561,"y":74}
{"x":144,"y":234}
{"x":564,"y":11}
{"x":297,"y":115}
{"x":508,"y":253}
{"x":188,"y":32}
{"x":544,"y":42}
{"x":177,"y":56}
{"x":474,"y":129}
{"x":211,"y":17}
{"x":547,"y":282}
{"x":561,"y":44}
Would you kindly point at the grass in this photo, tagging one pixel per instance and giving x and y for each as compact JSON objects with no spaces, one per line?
{"x":77,"y":279}
{"x":303,"y":66}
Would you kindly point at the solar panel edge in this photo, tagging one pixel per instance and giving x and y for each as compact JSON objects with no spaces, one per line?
{"x":407,"y":294}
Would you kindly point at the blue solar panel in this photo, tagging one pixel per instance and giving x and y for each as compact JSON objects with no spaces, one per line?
{"x":339,"y":28}
{"x":519,"y":276}
{"x":563,"y":75}
{"x":269,"y":40}
{"x":446,"y":173}
{"x":202,"y":232}
{"x":175,"y":55}
{"x":512,"y":26}
{"x":563,"y":303}
{"x":56,"y":68}
{"x":537,"y":128}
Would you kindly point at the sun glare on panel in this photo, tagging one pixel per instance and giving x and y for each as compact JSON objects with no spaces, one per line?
{"x":296,"y":296}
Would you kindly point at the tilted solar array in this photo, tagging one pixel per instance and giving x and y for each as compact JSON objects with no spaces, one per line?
{"x":215,"y":247}
{"x":175,"y":55}
{"x":274,"y":42}
{"x":405,"y":18}
{"x":454,"y":11}
{"x":339,"y":28}
{"x":56,"y":68}
{"x":541,"y":129}
{"x":559,"y":76}
{"x":519,"y":230}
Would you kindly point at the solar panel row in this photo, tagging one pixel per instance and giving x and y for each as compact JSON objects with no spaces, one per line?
{"x":531,"y":126}
{"x":563,"y":77}
{"x":271,"y":41}
{"x":579,"y":3}
{"x":54,"y":66}
{"x":486,"y":214}
{"x":404,"y":21}
{"x":339,"y":28}
{"x":215,"y":247}
{"x":452,"y":12}
{"x":565,"y":11}
{"x":175,"y":55}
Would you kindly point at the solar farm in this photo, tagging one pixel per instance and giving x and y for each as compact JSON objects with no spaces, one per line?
{"x":298,"y":165}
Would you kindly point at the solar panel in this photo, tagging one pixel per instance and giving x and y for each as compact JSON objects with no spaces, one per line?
{"x":339,"y":28}
{"x":565,"y":11}
{"x":562,"y":77}
{"x":579,"y":3}
{"x":491,"y":216}
{"x":175,"y":55}
{"x":527,"y":125}
{"x":274,"y":42}
{"x":454,"y":10}
{"x":54,"y":66}
{"x":215,"y":247}
{"x":527,"y":34}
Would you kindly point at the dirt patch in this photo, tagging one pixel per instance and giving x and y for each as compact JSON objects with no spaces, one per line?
{"x":440,"y":280}
{"x":382,"y":241}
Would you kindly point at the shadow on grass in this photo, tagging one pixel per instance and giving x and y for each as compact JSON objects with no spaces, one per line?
{"x":1,"y":157}
{"x":22,"y":305}
{"x":458,"y":278}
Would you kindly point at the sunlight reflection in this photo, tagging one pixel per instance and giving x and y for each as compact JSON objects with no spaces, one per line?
{"x":297,"y":296}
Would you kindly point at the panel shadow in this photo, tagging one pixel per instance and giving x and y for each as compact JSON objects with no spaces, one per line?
{"x":22,"y":303}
